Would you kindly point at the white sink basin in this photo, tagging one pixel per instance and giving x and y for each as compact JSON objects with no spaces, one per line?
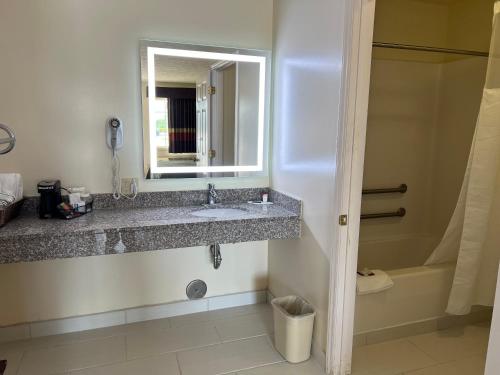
{"x":219,"y":213}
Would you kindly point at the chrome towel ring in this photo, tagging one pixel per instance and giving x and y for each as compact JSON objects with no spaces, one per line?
{"x":10,"y":141}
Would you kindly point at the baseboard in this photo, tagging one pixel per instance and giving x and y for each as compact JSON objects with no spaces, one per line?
{"x":76,"y":324}
{"x":132,"y":315}
{"x":478,"y":315}
{"x":270,"y":296}
{"x":318,"y":355}
{"x":13,"y":333}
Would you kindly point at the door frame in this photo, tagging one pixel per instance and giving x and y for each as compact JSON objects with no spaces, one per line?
{"x":216,"y":124}
{"x":358,"y":39}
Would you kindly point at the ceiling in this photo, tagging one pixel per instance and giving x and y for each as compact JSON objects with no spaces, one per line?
{"x":177,"y":69}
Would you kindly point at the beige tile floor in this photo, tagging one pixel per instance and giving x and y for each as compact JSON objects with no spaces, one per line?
{"x":232,"y":341}
{"x":457,"y":351}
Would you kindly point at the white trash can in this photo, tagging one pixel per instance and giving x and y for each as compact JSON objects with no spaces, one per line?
{"x":293,"y":327}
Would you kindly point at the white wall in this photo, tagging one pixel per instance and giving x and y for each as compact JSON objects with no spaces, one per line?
{"x":69,"y":287}
{"x":65,"y":67}
{"x":307,"y":80}
{"x":68,"y":65}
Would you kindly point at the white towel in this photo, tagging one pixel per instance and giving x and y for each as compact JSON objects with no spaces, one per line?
{"x":378,"y":282}
{"x":11,"y":188}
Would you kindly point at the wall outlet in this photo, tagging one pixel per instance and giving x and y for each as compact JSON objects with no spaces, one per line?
{"x":127,"y":185}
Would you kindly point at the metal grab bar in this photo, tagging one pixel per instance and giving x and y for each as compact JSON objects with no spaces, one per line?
{"x":410,"y":47}
{"x":187,"y":158}
{"x":403,"y":188}
{"x":399,"y":213}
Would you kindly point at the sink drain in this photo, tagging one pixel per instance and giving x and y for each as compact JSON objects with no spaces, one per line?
{"x":196,"y":289}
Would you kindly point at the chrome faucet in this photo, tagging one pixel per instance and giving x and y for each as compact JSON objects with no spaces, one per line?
{"x":212,"y":194}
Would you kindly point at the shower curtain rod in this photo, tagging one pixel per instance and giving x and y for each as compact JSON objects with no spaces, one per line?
{"x":410,"y":47}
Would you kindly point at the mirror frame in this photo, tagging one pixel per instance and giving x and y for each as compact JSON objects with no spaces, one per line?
{"x":262,"y":57}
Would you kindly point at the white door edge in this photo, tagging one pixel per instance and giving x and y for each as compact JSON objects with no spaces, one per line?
{"x":360,"y":15}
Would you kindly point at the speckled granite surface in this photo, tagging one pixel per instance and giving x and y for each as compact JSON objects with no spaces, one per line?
{"x":164,"y":199}
{"x":144,"y":227}
{"x":291,"y":204}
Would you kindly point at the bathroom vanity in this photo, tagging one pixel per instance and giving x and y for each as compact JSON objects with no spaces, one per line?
{"x":154,"y":221}
{"x":205,"y":114}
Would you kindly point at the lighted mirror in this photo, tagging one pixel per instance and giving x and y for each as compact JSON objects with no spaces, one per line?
{"x":205,"y":110}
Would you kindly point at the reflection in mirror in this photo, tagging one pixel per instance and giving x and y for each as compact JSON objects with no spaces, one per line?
{"x":203,"y":110}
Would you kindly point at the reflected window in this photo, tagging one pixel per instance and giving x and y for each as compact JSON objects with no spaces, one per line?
{"x":161,"y":121}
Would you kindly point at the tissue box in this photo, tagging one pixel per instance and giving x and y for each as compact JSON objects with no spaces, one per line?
{"x":10,"y":212}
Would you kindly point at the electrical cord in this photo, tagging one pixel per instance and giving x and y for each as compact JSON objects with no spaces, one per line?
{"x":116,"y":181}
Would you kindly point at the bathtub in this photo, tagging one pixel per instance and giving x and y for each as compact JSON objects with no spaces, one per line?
{"x":419,"y":294}
{"x":417,"y":301}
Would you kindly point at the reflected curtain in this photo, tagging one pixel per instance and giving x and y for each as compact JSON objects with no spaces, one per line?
{"x":182,"y":129}
{"x":472,"y":238}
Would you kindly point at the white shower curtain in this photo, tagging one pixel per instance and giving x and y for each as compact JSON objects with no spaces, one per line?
{"x":472,"y":238}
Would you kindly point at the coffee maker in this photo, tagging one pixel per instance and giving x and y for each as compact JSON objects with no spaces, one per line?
{"x":50,"y":197}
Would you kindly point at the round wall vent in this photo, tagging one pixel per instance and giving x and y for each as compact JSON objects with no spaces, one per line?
{"x":196,"y":289}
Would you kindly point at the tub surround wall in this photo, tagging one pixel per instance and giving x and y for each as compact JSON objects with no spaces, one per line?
{"x":401,"y":21}
{"x":422,"y":114}
{"x":469,"y":24}
{"x":146,"y":227}
{"x":423,"y":141}
{"x":399,"y":145}
{"x":457,"y":122}
{"x":402,"y":116}
{"x":395,"y":252}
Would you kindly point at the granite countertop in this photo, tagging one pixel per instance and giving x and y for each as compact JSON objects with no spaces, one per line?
{"x":130,"y":218}
{"x":119,"y":230}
